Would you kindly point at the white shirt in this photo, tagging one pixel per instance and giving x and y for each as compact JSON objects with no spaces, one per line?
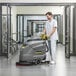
{"x":49,"y":26}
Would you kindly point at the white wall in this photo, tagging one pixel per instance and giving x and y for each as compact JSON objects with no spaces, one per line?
{"x":38,"y":1}
{"x":39,"y":9}
{"x":71,"y":29}
{"x":63,"y":26}
{"x":13,"y":18}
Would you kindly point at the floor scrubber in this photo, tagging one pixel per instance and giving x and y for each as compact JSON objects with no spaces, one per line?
{"x":34,"y":52}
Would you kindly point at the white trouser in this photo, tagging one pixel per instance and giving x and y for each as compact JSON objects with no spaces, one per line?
{"x":51,"y":54}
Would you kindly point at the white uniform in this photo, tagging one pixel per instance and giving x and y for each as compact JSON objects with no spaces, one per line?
{"x":52,"y":41}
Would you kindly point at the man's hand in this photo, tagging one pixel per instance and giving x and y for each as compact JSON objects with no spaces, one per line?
{"x":48,"y":36}
{"x":44,"y":37}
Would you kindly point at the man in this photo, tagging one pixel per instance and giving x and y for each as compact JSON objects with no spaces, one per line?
{"x":51,"y":32}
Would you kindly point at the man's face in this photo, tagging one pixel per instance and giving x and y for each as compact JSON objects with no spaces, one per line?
{"x":49,"y":17}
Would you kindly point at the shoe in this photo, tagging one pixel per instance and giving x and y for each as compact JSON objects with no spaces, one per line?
{"x":47,"y":62}
{"x":52,"y":62}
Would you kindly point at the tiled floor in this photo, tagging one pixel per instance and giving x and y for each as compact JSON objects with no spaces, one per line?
{"x":63,"y":67}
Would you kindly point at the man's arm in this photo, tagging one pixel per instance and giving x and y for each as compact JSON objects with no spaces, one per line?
{"x":52,"y":32}
{"x":44,"y":31}
{"x":53,"y":29}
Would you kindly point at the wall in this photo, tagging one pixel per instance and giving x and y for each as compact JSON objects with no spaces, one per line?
{"x":39,"y":9}
{"x":71,"y":29}
{"x":63,"y":26}
{"x":13,"y":18}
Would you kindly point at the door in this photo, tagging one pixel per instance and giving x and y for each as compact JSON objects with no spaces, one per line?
{"x":0,"y":30}
{"x":6,"y":31}
{"x":67,"y":31}
{"x":74,"y":31}
{"x":20,"y":29}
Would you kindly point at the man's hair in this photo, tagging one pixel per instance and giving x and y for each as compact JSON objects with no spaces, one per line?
{"x":49,"y":13}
